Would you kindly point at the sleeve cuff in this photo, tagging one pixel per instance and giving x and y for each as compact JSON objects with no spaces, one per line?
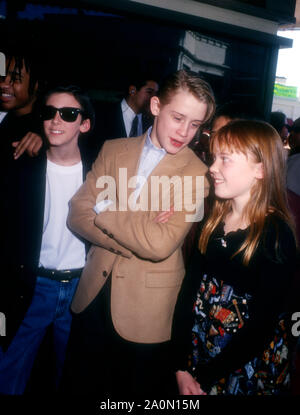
{"x":102,"y":206}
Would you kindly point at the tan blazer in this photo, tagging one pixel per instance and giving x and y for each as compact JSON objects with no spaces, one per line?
{"x":144,"y":256}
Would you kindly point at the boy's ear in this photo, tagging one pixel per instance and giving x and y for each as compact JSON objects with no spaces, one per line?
{"x":259,"y":171}
{"x":155,"y":105}
{"x":85,"y":125}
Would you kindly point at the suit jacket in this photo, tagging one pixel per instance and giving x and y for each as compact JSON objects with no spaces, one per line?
{"x":114,"y":122}
{"x":143,"y":257}
{"x":110,"y":122}
{"x":24,"y":187}
{"x":14,"y":128}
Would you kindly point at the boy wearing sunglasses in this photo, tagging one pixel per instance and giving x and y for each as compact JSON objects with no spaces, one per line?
{"x":47,"y":259}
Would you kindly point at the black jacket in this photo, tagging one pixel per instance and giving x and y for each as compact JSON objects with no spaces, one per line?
{"x":268,"y":278}
{"x":110,"y":123}
{"x":23,"y":187}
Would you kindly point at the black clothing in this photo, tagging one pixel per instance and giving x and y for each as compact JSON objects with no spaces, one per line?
{"x":13,"y":128}
{"x":110,"y":123}
{"x":109,"y":364}
{"x":264,"y":283}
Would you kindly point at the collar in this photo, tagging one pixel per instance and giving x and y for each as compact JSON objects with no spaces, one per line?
{"x":126,"y":108}
{"x":149,"y":144}
{"x":2,"y":115}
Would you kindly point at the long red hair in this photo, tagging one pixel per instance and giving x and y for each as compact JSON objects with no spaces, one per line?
{"x":261,"y":141}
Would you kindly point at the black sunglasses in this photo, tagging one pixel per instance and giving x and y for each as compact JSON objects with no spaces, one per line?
{"x":68,"y":114}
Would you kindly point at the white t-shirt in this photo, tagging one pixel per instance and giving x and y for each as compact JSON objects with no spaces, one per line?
{"x":60,"y":248}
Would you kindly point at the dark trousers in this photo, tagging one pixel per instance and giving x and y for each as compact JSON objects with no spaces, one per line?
{"x":101,"y":363}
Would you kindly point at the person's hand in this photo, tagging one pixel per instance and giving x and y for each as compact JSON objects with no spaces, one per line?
{"x":31,"y":143}
{"x":163,"y":217}
{"x":187,"y":385}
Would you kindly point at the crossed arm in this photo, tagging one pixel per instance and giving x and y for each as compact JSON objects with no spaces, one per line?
{"x":140,"y":232}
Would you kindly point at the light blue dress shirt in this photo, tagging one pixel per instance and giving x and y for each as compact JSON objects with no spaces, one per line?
{"x":149,"y":159}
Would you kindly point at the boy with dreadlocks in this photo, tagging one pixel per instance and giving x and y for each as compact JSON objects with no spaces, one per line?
{"x":19,"y":89}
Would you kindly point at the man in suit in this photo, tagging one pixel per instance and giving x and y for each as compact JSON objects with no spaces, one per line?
{"x":131,"y":116}
{"x":124,"y":303}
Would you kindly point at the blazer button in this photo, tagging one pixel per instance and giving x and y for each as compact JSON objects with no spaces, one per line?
{"x":105,"y":274}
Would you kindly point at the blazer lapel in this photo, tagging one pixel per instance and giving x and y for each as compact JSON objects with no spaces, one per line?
{"x":33,"y":189}
{"x":170,"y":165}
{"x":121,"y":123}
{"x":87,"y":157}
{"x":128,"y":158}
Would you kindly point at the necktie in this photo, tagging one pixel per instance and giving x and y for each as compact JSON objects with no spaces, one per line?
{"x":134,"y":127}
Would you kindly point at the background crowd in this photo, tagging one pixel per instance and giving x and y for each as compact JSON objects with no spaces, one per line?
{"x":44,"y":126}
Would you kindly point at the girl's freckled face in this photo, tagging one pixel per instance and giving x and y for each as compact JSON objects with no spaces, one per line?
{"x":233,"y":174}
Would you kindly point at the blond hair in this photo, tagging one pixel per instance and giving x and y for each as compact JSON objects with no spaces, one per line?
{"x":191,"y":82}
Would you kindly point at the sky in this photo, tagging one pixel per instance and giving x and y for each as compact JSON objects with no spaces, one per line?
{"x":288,"y":64}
